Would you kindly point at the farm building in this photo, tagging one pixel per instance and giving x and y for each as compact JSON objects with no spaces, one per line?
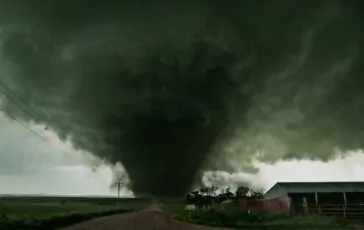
{"x":321,"y":196}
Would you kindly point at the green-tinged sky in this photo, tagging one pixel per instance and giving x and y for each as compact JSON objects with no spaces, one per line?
{"x":39,"y":167}
{"x":171,"y":90}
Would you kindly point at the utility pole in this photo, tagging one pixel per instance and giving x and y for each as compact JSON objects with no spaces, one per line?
{"x":119,"y":183}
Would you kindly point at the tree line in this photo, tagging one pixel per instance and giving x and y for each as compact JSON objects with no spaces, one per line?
{"x":206,"y":196}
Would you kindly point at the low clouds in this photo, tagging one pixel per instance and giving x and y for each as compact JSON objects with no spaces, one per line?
{"x":29,"y":165}
{"x":348,"y":168}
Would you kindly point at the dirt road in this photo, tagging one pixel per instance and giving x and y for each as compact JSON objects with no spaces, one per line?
{"x":151,"y":218}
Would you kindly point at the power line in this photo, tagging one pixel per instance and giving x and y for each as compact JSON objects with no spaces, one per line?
{"x":21,"y":108}
{"x":28,"y":113}
{"x":119,"y":183}
{"x":25,"y":126}
{"x":37,"y":134}
{"x":18,"y":98}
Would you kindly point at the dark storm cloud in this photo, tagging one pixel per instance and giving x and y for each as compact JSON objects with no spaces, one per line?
{"x":160,"y":87}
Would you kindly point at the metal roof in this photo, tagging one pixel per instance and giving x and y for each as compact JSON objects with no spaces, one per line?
{"x":323,"y":186}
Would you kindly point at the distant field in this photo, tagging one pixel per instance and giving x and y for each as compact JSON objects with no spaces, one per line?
{"x":33,"y":210}
{"x":40,"y":207}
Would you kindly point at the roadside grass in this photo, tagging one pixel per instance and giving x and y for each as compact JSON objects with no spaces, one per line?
{"x":234,"y":218}
{"x":38,"y":213}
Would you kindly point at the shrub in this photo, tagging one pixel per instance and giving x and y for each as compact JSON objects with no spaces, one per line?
{"x":227,"y":217}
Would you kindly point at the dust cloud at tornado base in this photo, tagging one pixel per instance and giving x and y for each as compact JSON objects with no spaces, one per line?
{"x":170,"y":90}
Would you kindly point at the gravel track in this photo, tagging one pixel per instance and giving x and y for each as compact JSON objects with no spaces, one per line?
{"x":151,"y":218}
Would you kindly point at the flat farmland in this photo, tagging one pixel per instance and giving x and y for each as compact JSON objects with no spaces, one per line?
{"x":34,"y":212}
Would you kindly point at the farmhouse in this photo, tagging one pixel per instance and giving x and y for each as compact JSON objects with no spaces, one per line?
{"x":320,"y":196}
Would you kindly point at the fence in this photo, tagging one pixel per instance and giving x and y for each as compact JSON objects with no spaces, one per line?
{"x":349,"y":210}
{"x":286,"y":207}
{"x":278,"y":205}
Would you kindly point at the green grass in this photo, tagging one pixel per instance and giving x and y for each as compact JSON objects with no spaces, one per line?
{"x":25,"y":207}
{"x":237,"y":219}
{"x":45,"y":212}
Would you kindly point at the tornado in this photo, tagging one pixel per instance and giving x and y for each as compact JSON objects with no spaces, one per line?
{"x":172,"y":89}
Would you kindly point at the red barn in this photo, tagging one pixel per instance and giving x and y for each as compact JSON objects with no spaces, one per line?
{"x":278,"y":205}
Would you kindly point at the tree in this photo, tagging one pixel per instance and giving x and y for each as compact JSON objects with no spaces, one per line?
{"x":225,"y":195}
{"x":242,"y":192}
{"x":256,"y":195}
{"x":207,"y":195}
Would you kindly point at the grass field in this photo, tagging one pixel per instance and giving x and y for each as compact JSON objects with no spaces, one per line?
{"x":27,"y":212}
{"x":30,"y":207}
{"x":233,"y":218}
{"x":237,"y":219}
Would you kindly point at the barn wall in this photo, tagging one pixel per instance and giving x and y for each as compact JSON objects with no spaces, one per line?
{"x":322,"y":188}
{"x":276,"y":192}
{"x":278,"y":205}
{"x":344,"y":199}
{"x":355,"y":197}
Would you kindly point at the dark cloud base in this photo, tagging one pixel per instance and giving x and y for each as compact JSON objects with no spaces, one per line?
{"x":161,"y":87}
